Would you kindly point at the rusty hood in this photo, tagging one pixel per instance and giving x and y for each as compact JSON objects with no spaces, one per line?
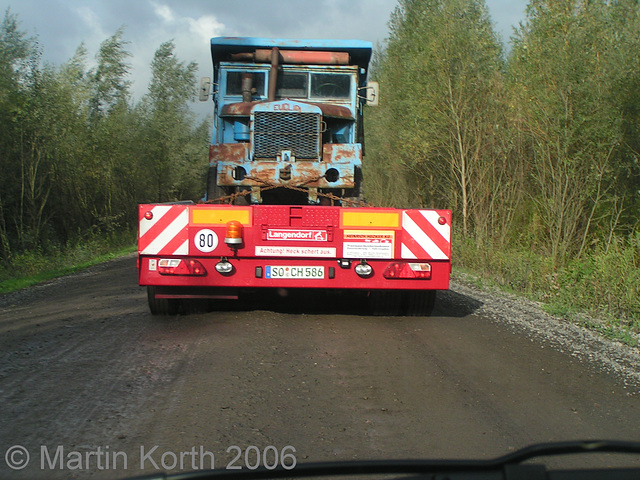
{"x":244,"y":109}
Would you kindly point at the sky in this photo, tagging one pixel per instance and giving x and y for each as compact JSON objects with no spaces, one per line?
{"x":62,"y":25}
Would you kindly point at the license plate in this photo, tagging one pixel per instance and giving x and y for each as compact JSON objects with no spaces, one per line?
{"x":294,"y":272}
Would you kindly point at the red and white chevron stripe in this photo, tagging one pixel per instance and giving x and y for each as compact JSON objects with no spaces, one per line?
{"x":166,"y":233}
{"x":423,"y":237}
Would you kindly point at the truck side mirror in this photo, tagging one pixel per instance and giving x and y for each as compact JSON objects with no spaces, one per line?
{"x":205,"y":88}
{"x":373,"y":89}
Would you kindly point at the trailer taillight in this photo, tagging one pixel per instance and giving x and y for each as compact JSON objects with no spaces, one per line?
{"x":148,"y":215}
{"x":178,"y":266}
{"x":405,"y":270}
{"x":233,"y":236}
{"x":196,"y":268}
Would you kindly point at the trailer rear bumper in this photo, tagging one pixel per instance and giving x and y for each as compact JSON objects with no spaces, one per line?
{"x":336,"y":274}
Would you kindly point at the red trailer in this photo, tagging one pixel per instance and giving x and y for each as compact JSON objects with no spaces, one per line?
{"x":204,"y":251}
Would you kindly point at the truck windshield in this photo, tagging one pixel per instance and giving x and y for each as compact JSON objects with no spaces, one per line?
{"x":234,"y":82}
{"x":327,"y":85}
{"x":314,"y":85}
{"x":291,"y":85}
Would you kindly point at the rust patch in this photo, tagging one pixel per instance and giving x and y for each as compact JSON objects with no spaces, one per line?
{"x":240,"y":109}
{"x":303,"y":174}
{"x":243,"y":109}
{"x":337,"y":152}
{"x":334,"y":111}
{"x":299,"y":57}
{"x":234,"y":152}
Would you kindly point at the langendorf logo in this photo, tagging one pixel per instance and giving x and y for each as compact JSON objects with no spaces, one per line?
{"x":310,"y":235}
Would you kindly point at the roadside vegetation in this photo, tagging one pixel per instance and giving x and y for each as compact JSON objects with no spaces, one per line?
{"x":535,"y":149}
{"x":32,"y":267}
{"x":77,"y":154}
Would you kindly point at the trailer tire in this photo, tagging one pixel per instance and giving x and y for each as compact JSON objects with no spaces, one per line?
{"x":419,"y":303}
{"x":386,"y":303}
{"x":160,"y":306}
{"x":195,"y":306}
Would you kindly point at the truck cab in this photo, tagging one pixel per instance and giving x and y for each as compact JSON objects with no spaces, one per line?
{"x":288,"y":116}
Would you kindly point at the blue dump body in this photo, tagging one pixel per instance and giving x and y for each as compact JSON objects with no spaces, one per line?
{"x":287,"y":115}
{"x":359,"y":50}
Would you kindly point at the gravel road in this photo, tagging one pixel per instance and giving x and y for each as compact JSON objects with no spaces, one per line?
{"x":87,"y":374}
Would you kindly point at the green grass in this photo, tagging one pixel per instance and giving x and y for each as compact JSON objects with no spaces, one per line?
{"x":603,"y":284}
{"x":31,"y":268}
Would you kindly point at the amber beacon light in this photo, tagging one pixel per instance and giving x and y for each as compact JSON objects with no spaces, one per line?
{"x":233,"y":237}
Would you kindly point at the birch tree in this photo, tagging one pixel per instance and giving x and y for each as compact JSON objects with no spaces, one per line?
{"x":560,"y":69}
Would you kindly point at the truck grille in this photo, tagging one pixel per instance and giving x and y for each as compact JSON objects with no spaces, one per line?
{"x":277,"y":131}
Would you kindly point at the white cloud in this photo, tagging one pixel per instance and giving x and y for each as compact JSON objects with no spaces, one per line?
{"x":164,"y":12}
{"x":190,"y":34}
{"x":200,"y":28}
{"x":89,"y":18}
{"x":206,"y":27}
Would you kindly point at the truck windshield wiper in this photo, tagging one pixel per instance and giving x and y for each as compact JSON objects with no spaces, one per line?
{"x":508,"y":467}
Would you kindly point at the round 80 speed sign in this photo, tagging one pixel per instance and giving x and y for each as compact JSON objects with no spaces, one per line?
{"x":206,"y":240}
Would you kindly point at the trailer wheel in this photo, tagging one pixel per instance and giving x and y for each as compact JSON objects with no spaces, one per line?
{"x":386,"y":303}
{"x":196,"y":305}
{"x":419,"y":303}
{"x":160,"y":306}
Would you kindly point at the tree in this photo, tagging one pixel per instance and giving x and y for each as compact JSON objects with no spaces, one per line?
{"x":441,"y":83}
{"x":109,"y":87}
{"x":623,"y":20}
{"x":176,"y":147}
{"x":77,"y":156}
{"x":111,"y":141}
{"x":15,"y":51}
{"x":19,"y":59}
{"x":560,"y":71}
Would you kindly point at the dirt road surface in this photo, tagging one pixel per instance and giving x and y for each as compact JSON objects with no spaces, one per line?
{"x":93,"y":386}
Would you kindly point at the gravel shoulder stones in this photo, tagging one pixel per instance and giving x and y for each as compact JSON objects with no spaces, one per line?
{"x":565,"y":335}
